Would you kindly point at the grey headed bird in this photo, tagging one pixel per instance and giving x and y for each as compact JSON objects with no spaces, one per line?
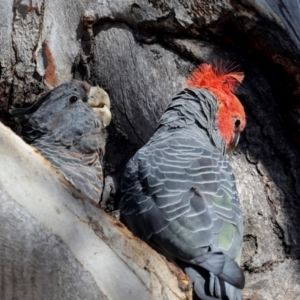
{"x":68,"y":127}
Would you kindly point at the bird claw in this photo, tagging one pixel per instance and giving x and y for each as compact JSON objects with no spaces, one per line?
{"x":108,"y":194}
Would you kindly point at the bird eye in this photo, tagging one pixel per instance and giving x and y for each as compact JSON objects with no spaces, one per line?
{"x":237,"y":123}
{"x":73,"y":99}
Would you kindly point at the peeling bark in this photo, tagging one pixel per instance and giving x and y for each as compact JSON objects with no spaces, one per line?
{"x":58,"y":246}
{"x":141,"y":53}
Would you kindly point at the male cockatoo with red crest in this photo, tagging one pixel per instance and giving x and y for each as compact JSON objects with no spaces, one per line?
{"x":179,"y":192}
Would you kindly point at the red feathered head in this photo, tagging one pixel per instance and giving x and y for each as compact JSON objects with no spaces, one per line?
{"x":222,"y":81}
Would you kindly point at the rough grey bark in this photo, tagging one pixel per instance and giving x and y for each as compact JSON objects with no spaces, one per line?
{"x":141,"y":52}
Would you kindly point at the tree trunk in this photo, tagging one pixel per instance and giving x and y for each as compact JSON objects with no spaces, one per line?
{"x":54,"y":245}
{"x":141,"y":52}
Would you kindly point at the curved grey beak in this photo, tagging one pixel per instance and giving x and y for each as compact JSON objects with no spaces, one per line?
{"x":234,"y":143}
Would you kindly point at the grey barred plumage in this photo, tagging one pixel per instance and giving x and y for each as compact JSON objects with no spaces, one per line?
{"x":179,"y":195}
{"x":66,"y":129}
